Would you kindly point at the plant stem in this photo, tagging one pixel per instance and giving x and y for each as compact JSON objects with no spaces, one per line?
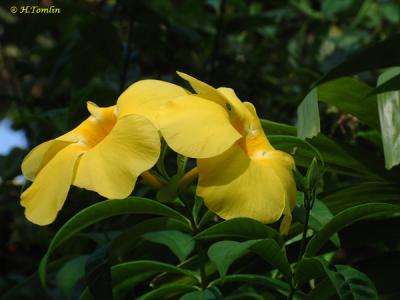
{"x":308,"y":204}
{"x":195,"y":230}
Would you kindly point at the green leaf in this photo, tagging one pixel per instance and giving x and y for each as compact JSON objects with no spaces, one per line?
{"x":380,"y":55}
{"x":212,"y":293}
{"x":389,"y":116}
{"x":240,"y":228}
{"x":346,"y":218}
{"x":169,"y":192}
{"x":127,"y":240}
{"x":181,"y":244}
{"x":390,"y":85}
{"x":337,"y":157}
{"x":349,"y":283}
{"x":127,"y":275}
{"x":224,"y":253}
{"x":101,"y":211}
{"x":323,"y":291}
{"x":253,"y":279}
{"x":181,"y":162}
{"x":167,"y":291}
{"x":355,"y":284}
{"x":320,"y":215}
{"x":308,"y":123}
{"x":362,"y":193}
{"x":70,"y":273}
{"x":98,"y":273}
{"x":312,"y":175}
{"x":349,"y":95}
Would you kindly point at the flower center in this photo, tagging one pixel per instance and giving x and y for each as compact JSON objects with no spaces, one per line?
{"x":97,"y":126}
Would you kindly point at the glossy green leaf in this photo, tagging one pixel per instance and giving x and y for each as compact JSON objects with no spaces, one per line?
{"x":98,"y":273}
{"x":240,"y":228}
{"x":346,"y":218}
{"x":323,"y":291}
{"x":349,"y":283}
{"x":348,"y":95}
{"x":212,"y":293}
{"x":390,"y":85}
{"x":181,"y":244}
{"x":224,"y":253}
{"x":127,"y":275}
{"x":101,"y":211}
{"x":355,"y":285}
{"x":319,"y":216}
{"x":389,"y":116}
{"x":70,"y":273}
{"x":366,"y":192}
{"x":126,"y":241}
{"x":338,"y":158}
{"x":167,"y":291}
{"x":377,"y":56}
{"x":308,"y":123}
{"x":266,"y":281}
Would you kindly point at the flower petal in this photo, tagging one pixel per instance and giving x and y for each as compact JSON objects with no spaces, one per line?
{"x":145,"y":97}
{"x":111,"y":168}
{"x":39,"y":156}
{"x":204,"y":90}
{"x":47,"y":194}
{"x":196,"y":127}
{"x":284,"y":165}
{"x":233,"y":185}
{"x":92,"y":130}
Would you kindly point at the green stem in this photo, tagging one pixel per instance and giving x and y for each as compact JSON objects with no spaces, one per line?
{"x":308,"y":204}
{"x":199,"y":246}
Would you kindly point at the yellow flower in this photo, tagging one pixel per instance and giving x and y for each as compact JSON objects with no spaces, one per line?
{"x":240,"y":173}
{"x":105,"y":153}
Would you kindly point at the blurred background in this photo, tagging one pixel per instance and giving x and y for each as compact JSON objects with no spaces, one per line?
{"x":270,"y":52}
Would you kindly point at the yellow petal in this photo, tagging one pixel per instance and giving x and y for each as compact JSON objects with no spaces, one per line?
{"x":233,"y":185}
{"x":145,"y":98}
{"x":111,"y":168}
{"x":95,"y":128}
{"x":204,"y":90}
{"x":284,"y":165}
{"x":39,"y":156}
{"x":47,"y":194}
{"x":238,"y":109}
{"x":196,"y":127}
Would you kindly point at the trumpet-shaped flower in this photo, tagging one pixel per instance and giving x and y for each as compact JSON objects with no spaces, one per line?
{"x":240,"y":173}
{"x":105,"y":153}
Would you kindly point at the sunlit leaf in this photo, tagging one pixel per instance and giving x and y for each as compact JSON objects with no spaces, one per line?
{"x":389,"y":116}
{"x":308,"y":123}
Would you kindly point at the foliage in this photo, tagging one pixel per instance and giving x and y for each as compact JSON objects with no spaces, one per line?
{"x":272,"y":52}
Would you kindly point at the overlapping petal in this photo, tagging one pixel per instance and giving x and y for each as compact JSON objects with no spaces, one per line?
{"x":145,"y":97}
{"x":250,"y":178}
{"x":196,"y":127}
{"x":105,"y":153}
{"x":47,"y":194}
{"x":233,"y":185}
{"x":112,"y":166}
{"x":39,"y":156}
